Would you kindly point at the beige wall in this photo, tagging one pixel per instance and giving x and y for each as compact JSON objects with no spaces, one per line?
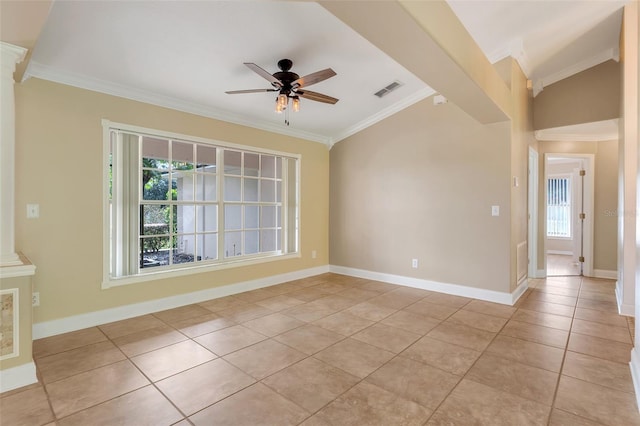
{"x":591,"y":95}
{"x":420,"y":184}
{"x":59,"y":165}
{"x":605,"y":198}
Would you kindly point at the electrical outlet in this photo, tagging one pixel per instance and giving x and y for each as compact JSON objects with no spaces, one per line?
{"x":314,"y":254}
{"x":414,"y":263}
{"x":35,"y":298}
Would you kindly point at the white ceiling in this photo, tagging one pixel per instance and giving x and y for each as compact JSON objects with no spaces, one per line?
{"x":185,"y":55}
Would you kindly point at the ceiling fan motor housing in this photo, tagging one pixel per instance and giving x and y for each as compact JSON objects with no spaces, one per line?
{"x":285,"y":76}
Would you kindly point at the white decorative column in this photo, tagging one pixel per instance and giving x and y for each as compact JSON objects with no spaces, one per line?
{"x":10,"y":56}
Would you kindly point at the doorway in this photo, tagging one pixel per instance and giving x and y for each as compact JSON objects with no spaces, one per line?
{"x":568,"y":206}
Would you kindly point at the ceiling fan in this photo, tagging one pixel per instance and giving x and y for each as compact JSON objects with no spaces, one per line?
{"x":290,"y":85}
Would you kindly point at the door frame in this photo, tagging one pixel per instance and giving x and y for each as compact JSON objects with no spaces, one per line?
{"x":588,"y":201}
{"x":532,"y":211}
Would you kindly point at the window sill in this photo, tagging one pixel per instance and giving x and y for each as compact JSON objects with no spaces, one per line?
{"x":109,"y":282}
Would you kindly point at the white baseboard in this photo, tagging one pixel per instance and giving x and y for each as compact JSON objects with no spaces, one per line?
{"x":454,"y":289}
{"x":604,"y":273}
{"x":635,"y":373}
{"x":541,"y":273}
{"x":17,"y":377}
{"x":562,"y":252}
{"x":91,"y":319}
{"x":627,"y":309}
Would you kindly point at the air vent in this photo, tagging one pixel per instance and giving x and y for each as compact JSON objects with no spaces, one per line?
{"x":390,"y":88}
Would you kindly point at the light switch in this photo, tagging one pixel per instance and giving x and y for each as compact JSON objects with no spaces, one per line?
{"x":33,"y":211}
{"x":495,"y":210}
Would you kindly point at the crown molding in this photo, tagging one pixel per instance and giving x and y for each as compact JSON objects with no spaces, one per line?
{"x":381,"y":115}
{"x":16,"y":53}
{"x":544,"y":135}
{"x":45,"y":72}
{"x":613,"y":53}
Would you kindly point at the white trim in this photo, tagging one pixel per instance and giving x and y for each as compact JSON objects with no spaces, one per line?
{"x":15,"y":343}
{"x":532,"y":207}
{"x":46,"y":72}
{"x":90,"y":319}
{"x":625,"y":309}
{"x":605,"y":274}
{"x":634,"y":365}
{"x":17,"y":377}
{"x":554,"y":136}
{"x":17,"y":271}
{"x":454,"y":289}
{"x":381,"y":115}
{"x":541,"y":273}
{"x":562,"y":252}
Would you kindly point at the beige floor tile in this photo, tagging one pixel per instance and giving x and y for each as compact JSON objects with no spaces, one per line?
{"x":25,"y":408}
{"x":542,"y":318}
{"x":69,"y":363}
{"x":222,"y":303}
{"x":560,"y":291}
{"x":255,"y":405}
{"x":264,"y":358}
{"x":367,"y":404}
{"x":332,"y":287}
{"x":229,"y":339}
{"x":598,"y":403}
{"x":601,"y":317}
{"x":358,"y":294}
{"x":473,"y":403}
{"x":478,"y":320}
{"x":256,"y":295}
{"x":311,"y":383}
{"x":600,"y":348}
{"x":452,"y":358}
{"x":488,"y":308}
{"x":343,"y":323}
{"x":529,"y":353}
{"x":415,"y":381}
{"x":167,"y":361}
{"x":387,"y":337}
{"x":148,"y":340}
{"x":244,"y":313}
{"x":274,"y":324}
{"x":562,"y":418}
{"x":416,"y":293}
{"x":514,"y":378}
{"x":309,"y":312}
{"x":462,"y":335}
{"x":335,"y":302}
{"x":550,"y":308}
{"x":355,"y":357}
{"x":64,"y":342}
{"x":309,"y":338}
{"x":409,"y":321}
{"x":423,"y":307}
{"x":599,"y":371}
{"x":142,"y":407}
{"x":130,"y":326}
{"x":183,"y":312}
{"x":536,"y":333}
{"x":197,"y":326}
{"x":378,"y":286}
{"x":307,"y":294}
{"x":598,"y":305}
{"x":598,"y":296}
{"x":84,"y":390}
{"x":279,"y":303}
{"x":449,"y":300}
{"x":370,"y":311}
{"x":611,"y":332}
{"x":204,"y":385}
{"x":544,"y":297}
{"x":567,"y":282}
{"x":603,"y":286}
{"x":393,"y":300}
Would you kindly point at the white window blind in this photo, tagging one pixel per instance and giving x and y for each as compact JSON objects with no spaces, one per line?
{"x":559,"y":207}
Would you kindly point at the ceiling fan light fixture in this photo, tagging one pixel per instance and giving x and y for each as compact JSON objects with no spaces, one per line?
{"x":296,"y":104}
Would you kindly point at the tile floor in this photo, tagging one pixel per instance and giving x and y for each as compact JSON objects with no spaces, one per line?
{"x":561,"y":265}
{"x":336,"y":350}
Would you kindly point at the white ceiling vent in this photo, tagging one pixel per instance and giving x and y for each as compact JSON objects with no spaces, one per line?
{"x":390,"y":88}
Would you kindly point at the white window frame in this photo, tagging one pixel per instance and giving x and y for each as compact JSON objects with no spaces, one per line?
{"x":199,"y":267}
{"x":569,"y":178}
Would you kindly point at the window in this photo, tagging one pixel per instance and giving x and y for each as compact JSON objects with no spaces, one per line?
{"x":178,"y":203}
{"x":559,"y":206}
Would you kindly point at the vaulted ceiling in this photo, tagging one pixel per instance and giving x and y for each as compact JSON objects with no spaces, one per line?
{"x":185,"y":55}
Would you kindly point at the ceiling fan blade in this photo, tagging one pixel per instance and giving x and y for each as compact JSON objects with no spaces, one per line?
{"x":315,"y":96}
{"x":236,"y":92}
{"x":264,"y":74}
{"x":314,"y":78}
